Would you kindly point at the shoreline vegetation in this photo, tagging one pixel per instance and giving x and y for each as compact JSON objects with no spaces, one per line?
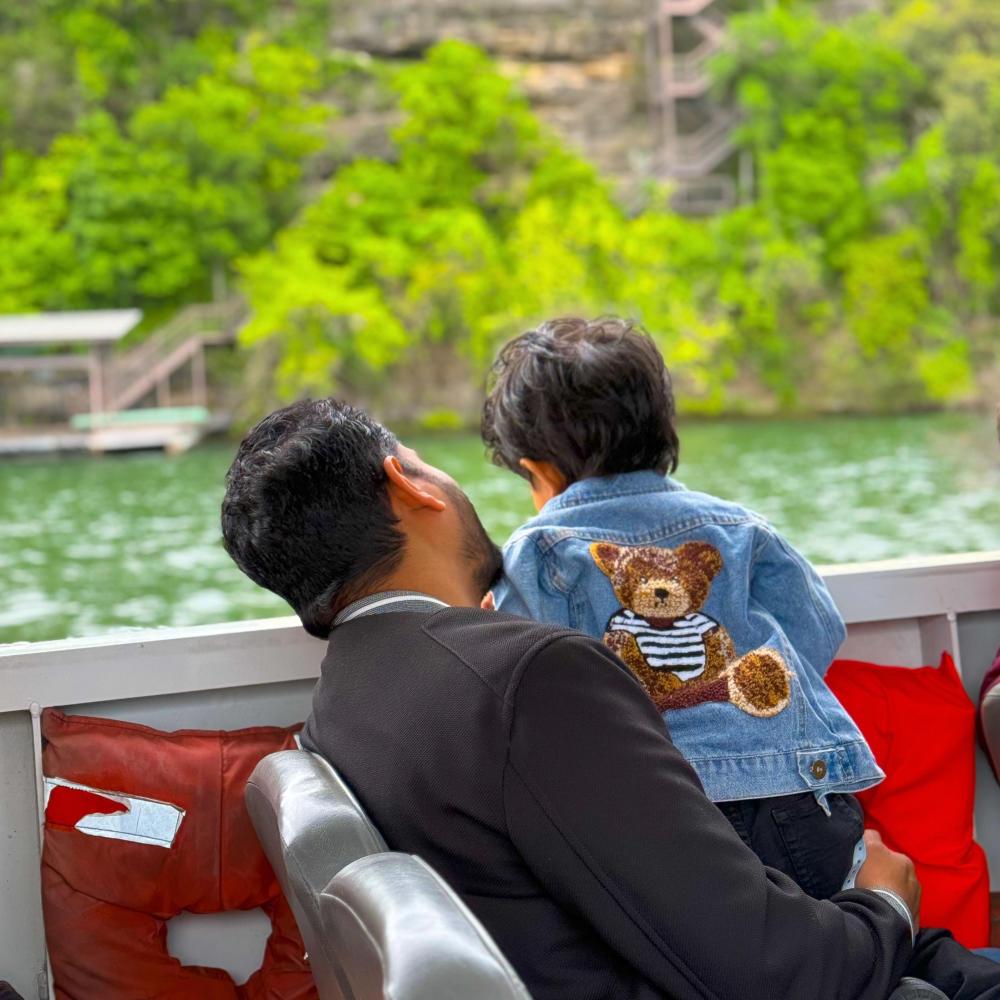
{"x":159,"y":161}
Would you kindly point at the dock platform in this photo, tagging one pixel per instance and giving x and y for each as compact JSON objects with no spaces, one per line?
{"x":132,"y":392}
{"x":170,"y":431}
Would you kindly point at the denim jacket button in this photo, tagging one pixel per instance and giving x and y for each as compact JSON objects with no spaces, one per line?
{"x":818,"y":769}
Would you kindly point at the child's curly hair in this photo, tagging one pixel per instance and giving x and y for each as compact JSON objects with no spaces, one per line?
{"x":594,"y":398}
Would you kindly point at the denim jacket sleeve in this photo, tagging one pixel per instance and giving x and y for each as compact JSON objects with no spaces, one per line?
{"x":525,"y":588}
{"x":784,"y":582}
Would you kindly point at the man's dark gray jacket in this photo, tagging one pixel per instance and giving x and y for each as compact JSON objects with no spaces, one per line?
{"x":525,"y":763}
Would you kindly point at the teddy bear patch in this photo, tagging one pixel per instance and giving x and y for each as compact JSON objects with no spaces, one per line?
{"x":680,"y":655}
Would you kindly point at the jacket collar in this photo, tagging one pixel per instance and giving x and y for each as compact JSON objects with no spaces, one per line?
{"x":388,"y":600}
{"x":604,"y":487}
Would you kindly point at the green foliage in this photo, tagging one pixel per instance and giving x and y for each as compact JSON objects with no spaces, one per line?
{"x":483,"y":224}
{"x":128,"y":217}
{"x":124,"y":216}
{"x":823,"y":106}
{"x":150,"y":147}
{"x":441,"y":420}
{"x":395,"y":253}
{"x":886,"y":292}
{"x":242,"y":133}
{"x":33,"y":246}
{"x":890,"y":224}
{"x":60,"y":60}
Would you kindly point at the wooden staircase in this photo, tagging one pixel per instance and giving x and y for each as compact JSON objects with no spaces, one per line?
{"x":146,"y":370}
{"x":690,"y":158}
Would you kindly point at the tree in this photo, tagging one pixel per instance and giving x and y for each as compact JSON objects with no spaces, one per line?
{"x":404,"y":251}
{"x":242,"y":134}
{"x":824,"y":106}
{"x":130,"y":216}
{"x":61,"y":60}
{"x":898,"y":220}
{"x":957,"y":43}
{"x":154,"y":155}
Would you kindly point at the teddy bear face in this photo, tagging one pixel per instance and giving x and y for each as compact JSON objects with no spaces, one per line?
{"x":659,"y":584}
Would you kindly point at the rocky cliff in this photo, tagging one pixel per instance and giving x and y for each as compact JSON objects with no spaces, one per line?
{"x":583,"y":64}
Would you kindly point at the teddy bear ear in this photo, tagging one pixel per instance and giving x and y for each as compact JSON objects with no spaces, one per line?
{"x":607,"y":556}
{"x":705,"y":556}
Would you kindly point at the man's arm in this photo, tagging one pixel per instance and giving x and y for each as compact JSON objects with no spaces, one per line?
{"x":614,"y":823}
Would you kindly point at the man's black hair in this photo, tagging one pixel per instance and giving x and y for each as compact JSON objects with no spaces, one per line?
{"x":306,"y":512}
{"x":592,"y":397}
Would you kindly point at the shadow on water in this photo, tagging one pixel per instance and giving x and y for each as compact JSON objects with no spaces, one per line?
{"x":93,"y":545}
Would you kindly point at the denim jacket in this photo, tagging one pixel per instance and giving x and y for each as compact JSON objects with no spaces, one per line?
{"x":726,"y":625}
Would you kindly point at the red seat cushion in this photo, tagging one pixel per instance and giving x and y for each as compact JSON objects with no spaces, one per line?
{"x":921,"y":727}
{"x":140,"y":825}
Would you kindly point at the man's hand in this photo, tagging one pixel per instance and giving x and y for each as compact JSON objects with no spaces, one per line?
{"x":885,"y":869}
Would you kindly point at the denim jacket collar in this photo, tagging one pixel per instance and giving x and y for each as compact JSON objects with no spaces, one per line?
{"x":604,"y":487}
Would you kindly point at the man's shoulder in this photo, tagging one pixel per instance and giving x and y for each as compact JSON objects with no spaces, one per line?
{"x":494,"y":645}
{"x":472,"y":631}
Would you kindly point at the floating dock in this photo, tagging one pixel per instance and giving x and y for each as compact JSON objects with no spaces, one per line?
{"x":172,"y":429}
{"x":118,"y":382}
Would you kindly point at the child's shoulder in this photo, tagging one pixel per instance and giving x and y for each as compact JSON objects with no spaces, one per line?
{"x":633,"y":498}
{"x":710,"y":504}
{"x":559,"y":529}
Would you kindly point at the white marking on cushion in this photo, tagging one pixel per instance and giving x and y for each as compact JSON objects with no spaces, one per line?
{"x":148,"y":821}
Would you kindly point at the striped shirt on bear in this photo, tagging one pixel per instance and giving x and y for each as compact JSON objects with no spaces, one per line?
{"x":679,"y":648}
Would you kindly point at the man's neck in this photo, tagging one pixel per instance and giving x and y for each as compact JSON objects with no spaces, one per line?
{"x":454,"y":588}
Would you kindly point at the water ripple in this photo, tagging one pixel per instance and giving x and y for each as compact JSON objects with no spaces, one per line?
{"x":94,"y":545}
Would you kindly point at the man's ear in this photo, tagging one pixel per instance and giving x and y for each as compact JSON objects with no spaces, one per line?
{"x":404,"y":490}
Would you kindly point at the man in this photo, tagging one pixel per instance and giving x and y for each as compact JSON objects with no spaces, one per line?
{"x":524,"y":762}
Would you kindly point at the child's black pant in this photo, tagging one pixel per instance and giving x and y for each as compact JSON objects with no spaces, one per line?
{"x":793,"y":834}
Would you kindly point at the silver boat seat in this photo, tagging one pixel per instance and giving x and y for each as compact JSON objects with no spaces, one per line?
{"x":399,"y":931}
{"x":310,"y":826}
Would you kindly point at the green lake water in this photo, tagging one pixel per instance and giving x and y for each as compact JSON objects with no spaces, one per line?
{"x":96,"y":545}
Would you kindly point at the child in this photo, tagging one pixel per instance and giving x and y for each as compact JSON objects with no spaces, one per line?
{"x":725,"y":625}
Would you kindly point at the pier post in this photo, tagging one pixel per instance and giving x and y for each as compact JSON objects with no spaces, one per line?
{"x":199,"y":378}
{"x":96,"y":375}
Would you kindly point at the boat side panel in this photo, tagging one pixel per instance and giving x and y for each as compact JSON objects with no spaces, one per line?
{"x":22,"y":950}
{"x":253,"y":673}
{"x":282,"y":704}
{"x":156,"y":662}
{"x":892,"y":642}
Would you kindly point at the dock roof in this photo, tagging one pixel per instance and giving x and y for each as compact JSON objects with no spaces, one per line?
{"x":98,"y":326}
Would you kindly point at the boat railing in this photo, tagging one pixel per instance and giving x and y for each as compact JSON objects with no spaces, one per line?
{"x":905,"y":612}
{"x":899,"y":611}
